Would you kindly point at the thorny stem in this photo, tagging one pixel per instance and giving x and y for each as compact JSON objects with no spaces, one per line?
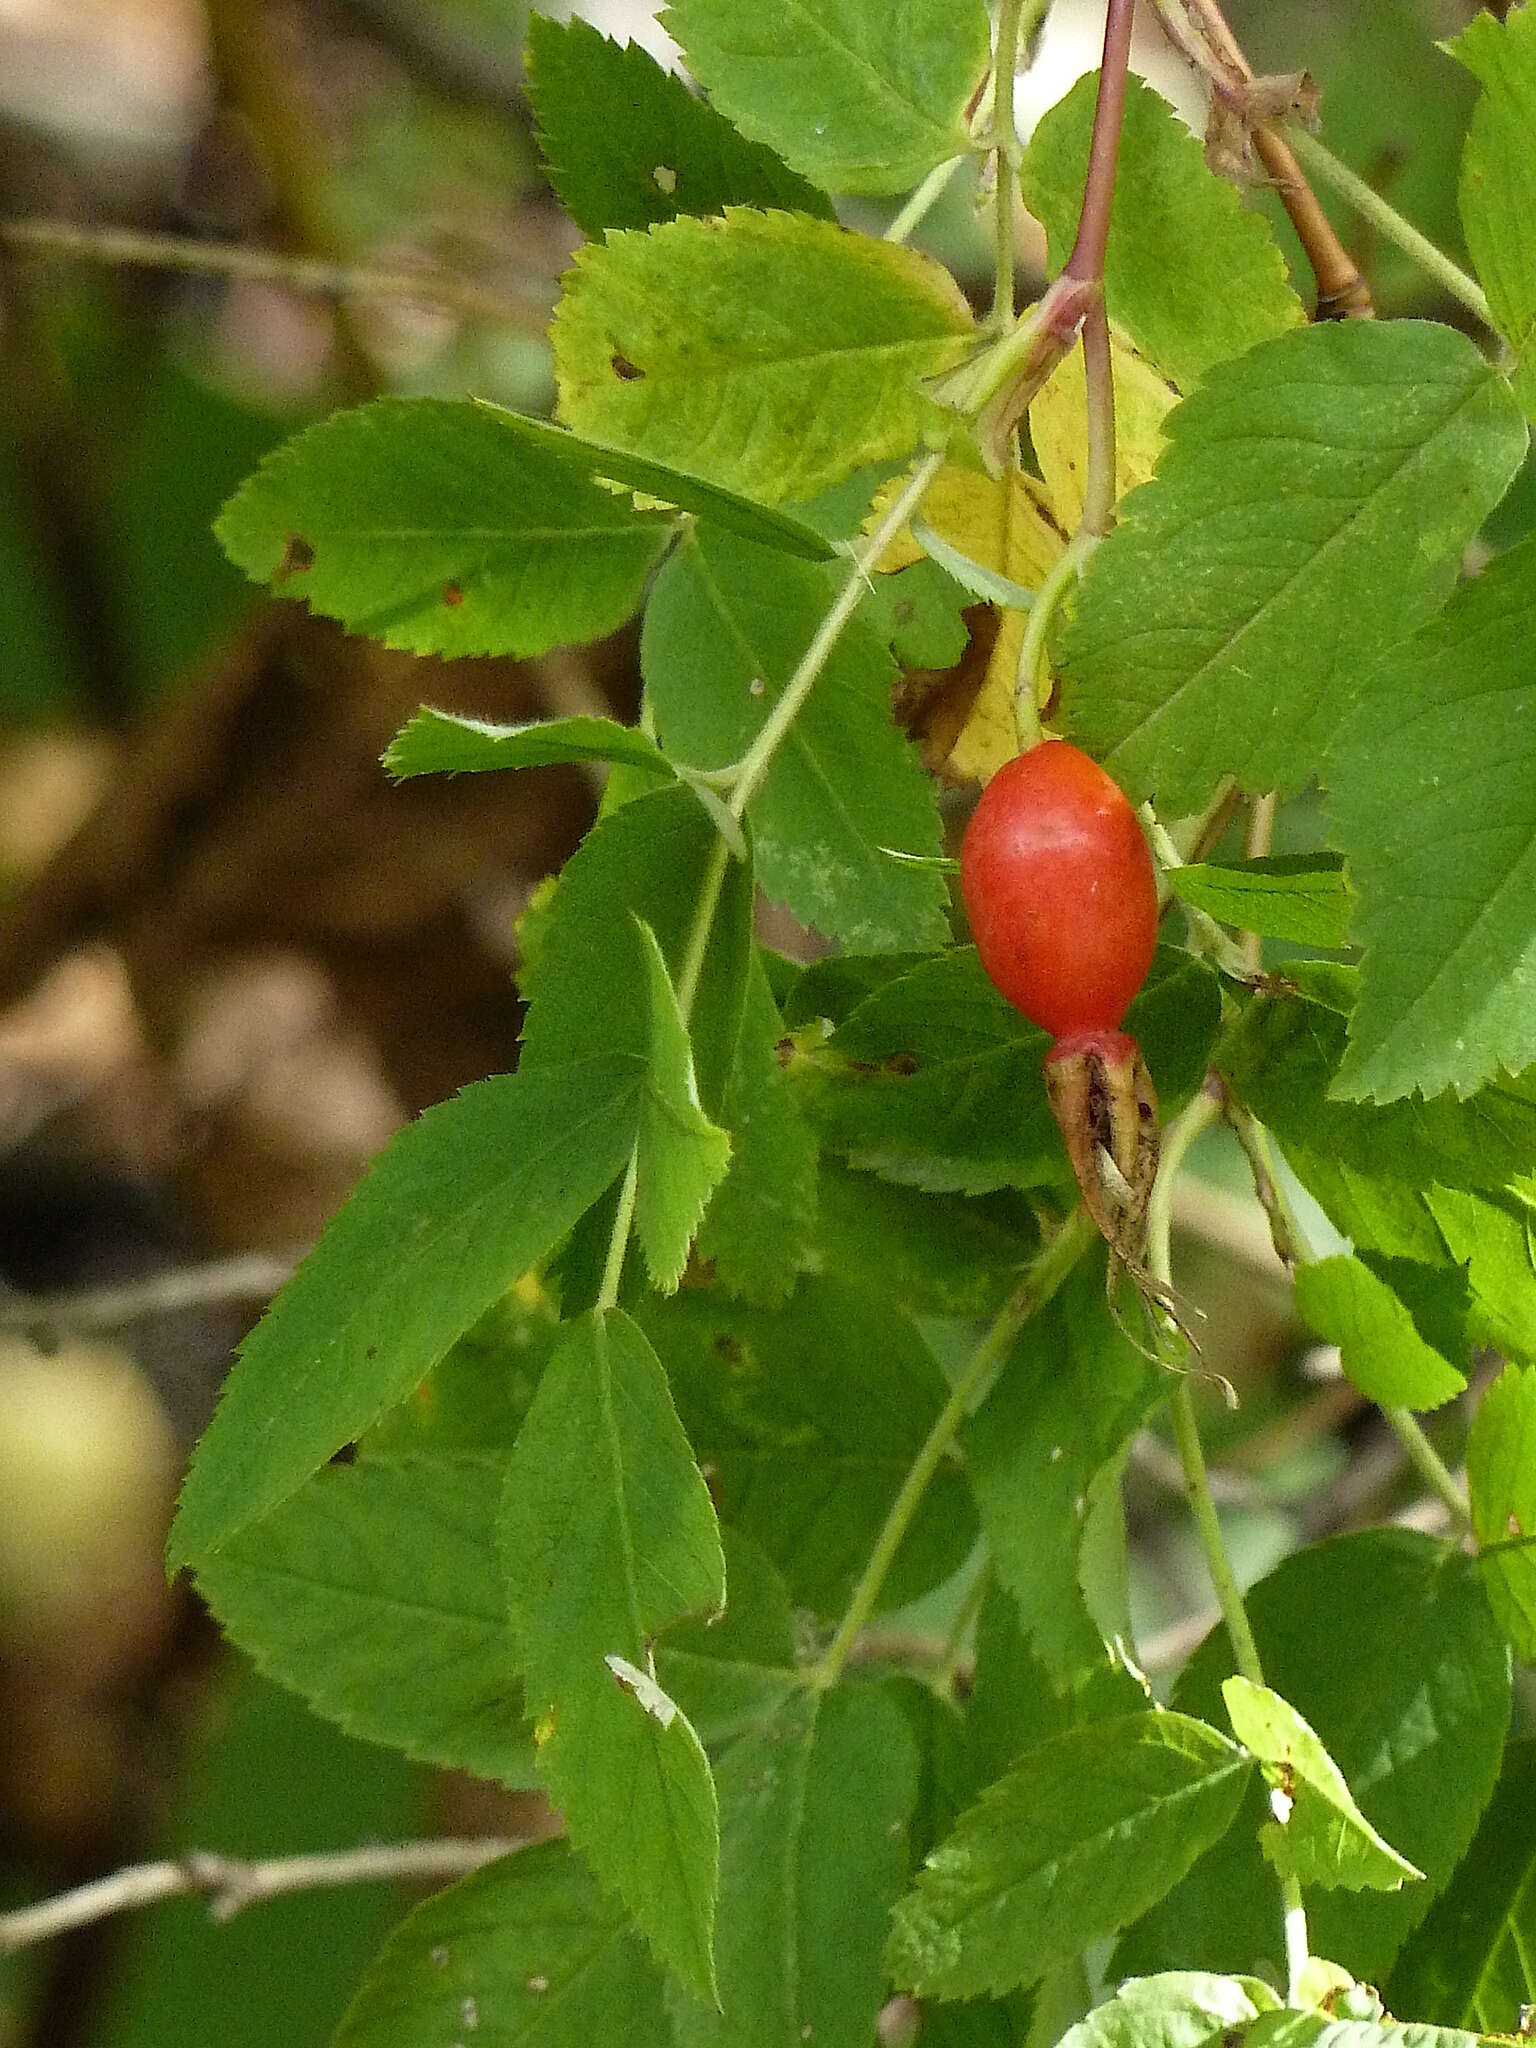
{"x":1371,"y":206}
{"x":1039,"y":1285}
{"x":315,"y":274}
{"x":1182,"y":1133}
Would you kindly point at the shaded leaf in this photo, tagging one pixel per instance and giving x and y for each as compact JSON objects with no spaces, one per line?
{"x":1501,"y":1479}
{"x":450,"y":1213}
{"x":813,"y":1823}
{"x":1077,"y":1839}
{"x":1191,"y":273}
{"x":769,"y":352}
{"x":1432,"y":791}
{"x":1312,"y":506}
{"x":1302,"y":897}
{"x":626,"y":143}
{"x":858,"y":96}
{"x":526,"y":1951}
{"x":1495,"y":1238}
{"x":1319,"y":1835}
{"x":376,"y":1592}
{"x":727,"y":618}
{"x":608,"y":1538}
{"x":1349,"y":1305}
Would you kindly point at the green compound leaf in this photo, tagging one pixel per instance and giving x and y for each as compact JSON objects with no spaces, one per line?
{"x":813,"y":1850}
{"x":627,"y":144}
{"x":1179,"y":2009}
{"x":1283,"y":1061}
{"x":1410,"y":1692}
{"x":444,"y":528}
{"x":528,"y":1950}
{"x":809,"y":1419}
{"x":1310,"y":508}
{"x":1501,"y":1479}
{"x":1048,"y":1441}
{"x":1473,"y":1962}
{"x":609,"y":1538}
{"x":859,"y":95}
{"x":935,"y":1079}
{"x":450,"y":743}
{"x":1433,"y":796}
{"x":377,"y":1593}
{"x":1498,"y":178}
{"x":1323,"y":1838}
{"x":724,"y":630}
{"x":1383,"y":1354}
{"x":1080,"y":1836}
{"x":682,"y":1156}
{"x":1302,"y":897}
{"x":453,"y":1210}
{"x":771,"y":353}
{"x":1190,"y":273}
{"x":757,"y":1230}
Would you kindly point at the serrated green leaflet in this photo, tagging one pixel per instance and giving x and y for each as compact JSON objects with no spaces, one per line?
{"x":626,"y":143}
{"x":681,"y":1156}
{"x":732,"y":1672}
{"x":756,"y":1231}
{"x":608,"y":1538}
{"x":1501,"y":1479}
{"x":1179,"y":2009}
{"x":1495,"y":1239}
{"x":725,"y":628}
{"x":1283,"y":1061}
{"x":768,"y":352}
{"x":448,"y":743}
{"x":1383,"y":1354}
{"x":377,"y":1593}
{"x":528,"y":1950}
{"x":1498,"y":178}
{"x":454,"y":1209}
{"x":809,"y":1418}
{"x":1473,"y":1962}
{"x":1189,"y":272}
{"x":1078,"y":1838}
{"x":443,"y":528}
{"x":583,"y":974}
{"x":1432,"y":790}
{"x":475,"y":1398}
{"x":1318,"y":1834}
{"x":935,"y":1080}
{"x":860,"y":96}
{"x":1310,"y":507}
{"x":1049,"y":1438}
{"x":1302,"y":897}
{"x":813,"y":1824}
{"x":1409,"y":1689}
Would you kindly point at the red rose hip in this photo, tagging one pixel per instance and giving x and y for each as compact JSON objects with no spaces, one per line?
{"x":1058,"y":883}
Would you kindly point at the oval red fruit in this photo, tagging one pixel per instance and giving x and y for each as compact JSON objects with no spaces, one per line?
{"x":1058,"y":883}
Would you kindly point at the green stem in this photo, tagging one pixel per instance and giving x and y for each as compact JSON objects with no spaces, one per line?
{"x":755,"y":763}
{"x":921,"y":202}
{"x":1429,"y":1464}
{"x":943,"y":1679}
{"x":1198,"y":1117}
{"x":1005,"y":131}
{"x":1039,"y":1285}
{"x":1063,"y":573}
{"x":703,"y":923}
{"x":1434,"y":262}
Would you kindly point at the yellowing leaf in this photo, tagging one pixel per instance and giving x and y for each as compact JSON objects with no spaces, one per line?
{"x":1058,"y":427}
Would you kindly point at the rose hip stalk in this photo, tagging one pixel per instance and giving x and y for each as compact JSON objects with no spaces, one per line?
{"x":1058,"y":883}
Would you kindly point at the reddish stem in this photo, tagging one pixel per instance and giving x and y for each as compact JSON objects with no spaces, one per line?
{"x":1087,"y":259}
